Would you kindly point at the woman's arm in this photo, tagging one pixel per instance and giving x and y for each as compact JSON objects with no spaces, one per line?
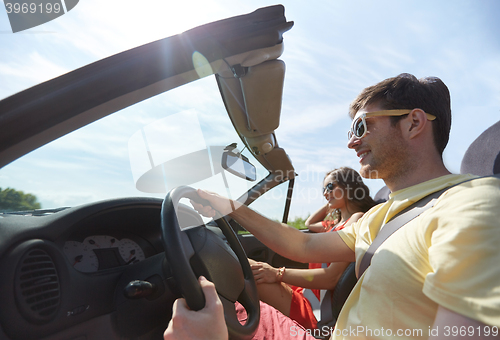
{"x":313,"y":222}
{"x":320,"y":278}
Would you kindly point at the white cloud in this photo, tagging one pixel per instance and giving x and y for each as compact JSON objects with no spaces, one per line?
{"x":102,"y":28}
{"x":308,"y":119}
{"x":27,"y":72}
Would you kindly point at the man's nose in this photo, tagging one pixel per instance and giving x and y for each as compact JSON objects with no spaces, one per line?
{"x":353,"y":142}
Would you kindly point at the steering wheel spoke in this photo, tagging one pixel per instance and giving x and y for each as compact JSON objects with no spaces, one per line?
{"x":187,"y":247}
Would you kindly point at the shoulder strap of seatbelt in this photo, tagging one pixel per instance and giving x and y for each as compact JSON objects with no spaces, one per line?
{"x":400,"y":220}
{"x":390,"y":227}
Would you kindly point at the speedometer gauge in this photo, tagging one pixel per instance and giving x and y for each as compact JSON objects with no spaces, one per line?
{"x":130,"y":251}
{"x":81,"y":257}
{"x":101,"y":242}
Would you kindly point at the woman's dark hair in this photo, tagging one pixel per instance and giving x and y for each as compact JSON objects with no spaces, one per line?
{"x":354,"y":189}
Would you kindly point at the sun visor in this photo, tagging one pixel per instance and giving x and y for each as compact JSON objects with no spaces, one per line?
{"x":278,"y":162}
{"x":253,"y":97}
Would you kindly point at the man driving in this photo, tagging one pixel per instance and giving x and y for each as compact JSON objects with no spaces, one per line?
{"x":435,"y":277}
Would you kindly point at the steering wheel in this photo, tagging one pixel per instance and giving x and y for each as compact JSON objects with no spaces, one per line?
{"x":196,"y":251}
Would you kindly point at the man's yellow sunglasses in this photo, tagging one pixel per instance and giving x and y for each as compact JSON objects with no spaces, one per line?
{"x":358,"y":125}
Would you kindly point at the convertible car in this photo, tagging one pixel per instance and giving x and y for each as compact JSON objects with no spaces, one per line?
{"x":114,"y":162}
{"x":105,"y":147}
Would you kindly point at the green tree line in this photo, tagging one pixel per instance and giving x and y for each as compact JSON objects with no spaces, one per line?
{"x":14,"y":200}
{"x":298,"y":222}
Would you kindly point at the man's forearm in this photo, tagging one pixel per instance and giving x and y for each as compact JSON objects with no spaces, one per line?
{"x":292,"y":243}
{"x":281,"y":238}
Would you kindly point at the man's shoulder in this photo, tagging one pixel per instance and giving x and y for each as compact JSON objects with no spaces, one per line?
{"x":477,"y":186}
{"x":421,"y":190}
{"x":477,"y":193}
{"x":468,"y":208}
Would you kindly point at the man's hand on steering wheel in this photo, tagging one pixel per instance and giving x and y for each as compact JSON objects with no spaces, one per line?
{"x":223,"y":205}
{"x":207,"y":323}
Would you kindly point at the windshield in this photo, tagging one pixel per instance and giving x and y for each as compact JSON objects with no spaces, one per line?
{"x":143,"y":150}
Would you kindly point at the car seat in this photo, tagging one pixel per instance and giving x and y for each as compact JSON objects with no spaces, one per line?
{"x":482,"y":158}
{"x":382,"y":195}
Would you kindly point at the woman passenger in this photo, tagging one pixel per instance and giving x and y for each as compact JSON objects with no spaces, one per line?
{"x":283,"y":288}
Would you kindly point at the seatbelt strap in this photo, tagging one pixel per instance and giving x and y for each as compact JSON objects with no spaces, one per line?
{"x":326,"y":304}
{"x":402,"y":218}
{"x":326,"y":297}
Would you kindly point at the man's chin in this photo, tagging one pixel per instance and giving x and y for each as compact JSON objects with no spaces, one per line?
{"x":368,"y":172}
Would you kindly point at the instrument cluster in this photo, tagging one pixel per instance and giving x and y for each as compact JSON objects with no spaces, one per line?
{"x":98,"y":252}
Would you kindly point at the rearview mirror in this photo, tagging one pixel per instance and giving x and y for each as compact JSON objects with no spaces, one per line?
{"x":238,"y":165}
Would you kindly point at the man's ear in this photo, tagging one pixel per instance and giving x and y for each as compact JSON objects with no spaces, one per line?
{"x":415,"y":124}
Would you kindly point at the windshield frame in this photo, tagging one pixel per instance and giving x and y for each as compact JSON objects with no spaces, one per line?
{"x":47,"y":111}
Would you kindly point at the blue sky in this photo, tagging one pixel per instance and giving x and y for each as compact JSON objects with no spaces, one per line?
{"x":334,"y":50}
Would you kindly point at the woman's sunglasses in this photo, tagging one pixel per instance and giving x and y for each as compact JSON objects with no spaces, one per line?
{"x":329,"y":187}
{"x":358,"y":126}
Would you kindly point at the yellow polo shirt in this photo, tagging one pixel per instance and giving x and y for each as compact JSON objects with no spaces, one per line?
{"x":449,"y":256}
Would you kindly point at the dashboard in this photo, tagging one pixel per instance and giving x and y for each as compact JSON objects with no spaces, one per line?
{"x":64,"y":273}
{"x":79,"y":273}
{"x":71,"y":273}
